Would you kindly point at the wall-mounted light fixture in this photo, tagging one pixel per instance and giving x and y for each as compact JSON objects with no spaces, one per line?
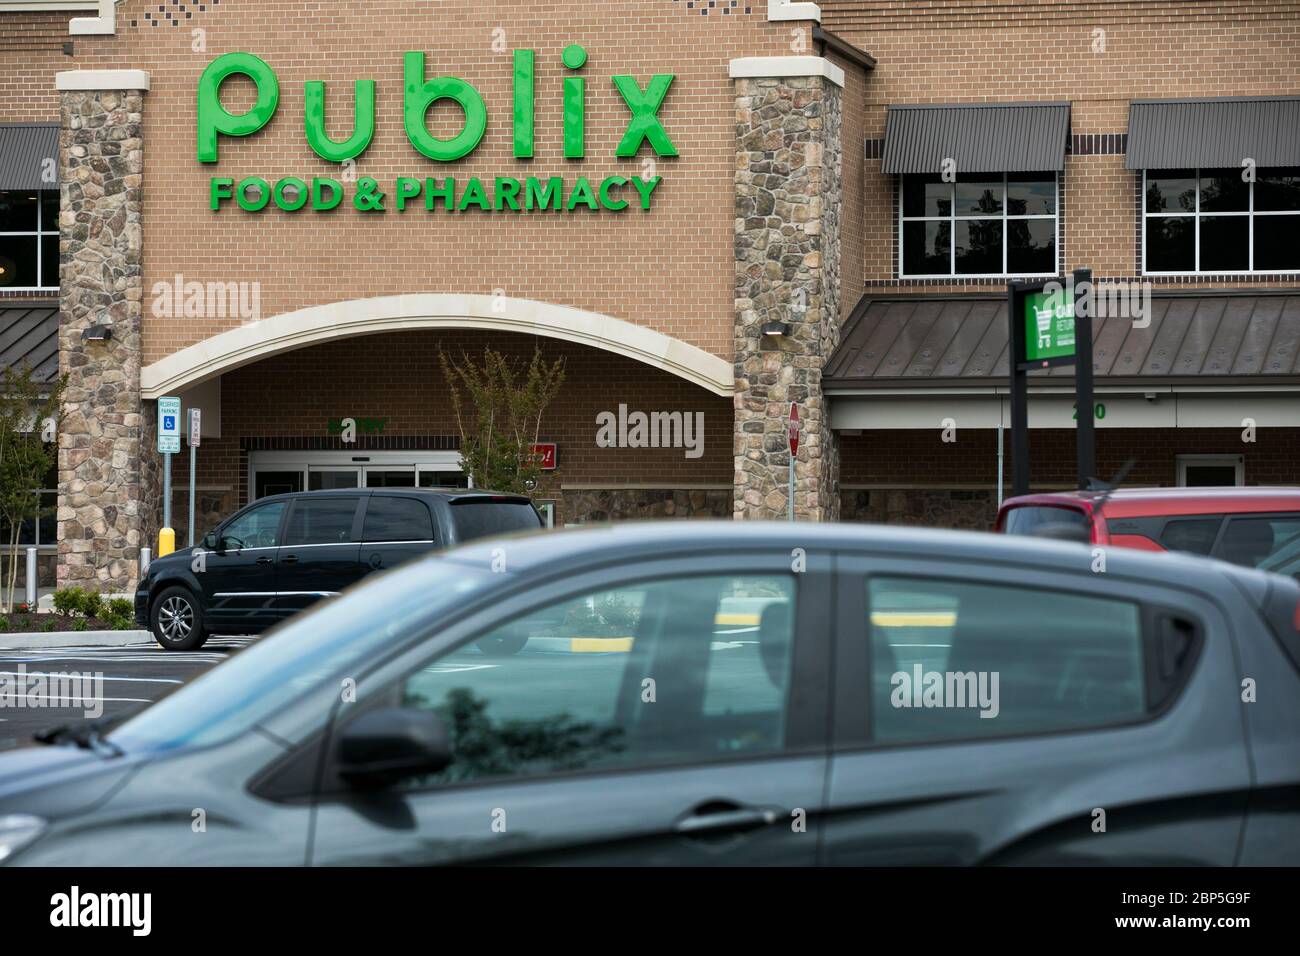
{"x":100,"y":332}
{"x":776,"y":328}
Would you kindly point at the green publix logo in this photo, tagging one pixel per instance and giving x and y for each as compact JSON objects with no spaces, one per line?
{"x":529,"y":194}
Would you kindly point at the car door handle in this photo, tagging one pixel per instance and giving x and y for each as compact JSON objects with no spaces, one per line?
{"x":290,"y":559}
{"x":263,"y":560}
{"x":707,"y":820}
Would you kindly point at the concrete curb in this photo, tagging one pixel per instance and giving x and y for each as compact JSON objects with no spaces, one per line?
{"x":40,"y":640}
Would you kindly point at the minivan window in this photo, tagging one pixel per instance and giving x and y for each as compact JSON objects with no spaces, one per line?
{"x":254,"y":529}
{"x":397,"y":519}
{"x":482,"y":517}
{"x":1030,"y":518}
{"x":321,"y":521}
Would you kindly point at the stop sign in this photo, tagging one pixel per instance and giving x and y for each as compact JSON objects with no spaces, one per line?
{"x":794,"y":428}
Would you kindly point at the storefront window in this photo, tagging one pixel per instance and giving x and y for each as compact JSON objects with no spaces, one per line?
{"x":43,"y":531}
{"x":1213,"y":220}
{"x":29,"y":239}
{"x":979,"y":226}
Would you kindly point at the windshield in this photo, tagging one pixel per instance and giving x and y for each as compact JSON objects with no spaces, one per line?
{"x":1027,"y":519}
{"x":309,"y":650}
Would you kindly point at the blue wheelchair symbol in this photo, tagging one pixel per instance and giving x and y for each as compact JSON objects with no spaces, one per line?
{"x":169,"y":423}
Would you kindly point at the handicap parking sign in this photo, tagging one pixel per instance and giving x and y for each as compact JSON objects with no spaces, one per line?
{"x":169,"y":435}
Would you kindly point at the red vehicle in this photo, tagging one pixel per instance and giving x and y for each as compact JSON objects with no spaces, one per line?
{"x":1255,"y":527}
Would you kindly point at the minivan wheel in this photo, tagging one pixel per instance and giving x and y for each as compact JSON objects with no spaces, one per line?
{"x":502,"y":645}
{"x":177,"y":620}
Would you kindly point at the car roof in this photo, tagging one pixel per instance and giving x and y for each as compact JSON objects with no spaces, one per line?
{"x":1137,"y":502}
{"x":564,"y":552}
{"x":450,"y":494}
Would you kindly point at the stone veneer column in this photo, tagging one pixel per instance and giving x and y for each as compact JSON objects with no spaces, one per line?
{"x":104,"y":454}
{"x":789,"y":165}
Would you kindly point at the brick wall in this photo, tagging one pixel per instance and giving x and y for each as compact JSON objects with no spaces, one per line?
{"x":953,"y":51}
{"x":607,"y":262}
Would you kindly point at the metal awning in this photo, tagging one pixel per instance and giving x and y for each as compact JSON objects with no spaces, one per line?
{"x":29,"y":155}
{"x":979,"y":138}
{"x":961,"y":341}
{"x":1208,"y":133}
{"x":29,"y":333}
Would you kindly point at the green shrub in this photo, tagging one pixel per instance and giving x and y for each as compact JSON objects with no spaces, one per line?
{"x":47,"y":626}
{"x":121,"y":607}
{"x":92,"y":605}
{"x":68,"y":601}
{"x":81,"y":624}
{"x":4,"y":623}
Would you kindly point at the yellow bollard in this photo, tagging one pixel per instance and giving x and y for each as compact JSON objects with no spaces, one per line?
{"x":166,"y":542}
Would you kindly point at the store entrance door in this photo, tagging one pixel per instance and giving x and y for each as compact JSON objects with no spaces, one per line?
{"x":278,"y":472}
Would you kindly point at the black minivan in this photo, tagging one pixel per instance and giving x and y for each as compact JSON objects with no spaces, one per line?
{"x":285,"y":552}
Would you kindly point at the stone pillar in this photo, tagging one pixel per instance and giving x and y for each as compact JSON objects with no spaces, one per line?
{"x":789,"y":165}
{"x":102,"y":445}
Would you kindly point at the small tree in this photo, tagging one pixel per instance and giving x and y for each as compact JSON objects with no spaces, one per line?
{"x":499,"y":406}
{"x":27,"y":408}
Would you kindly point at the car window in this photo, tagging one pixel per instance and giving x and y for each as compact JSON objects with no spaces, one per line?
{"x":1286,"y":559}
{"x":482,"y":517}
{"x":1029,"y":518}
{"x":670,"y":670}
{"x":321,"y":521}
{"x":397,"y":519}
{"x":1195,"y":535}
{"x":258,"y":528}
{"x":1252,"y":541}
{"x":957,"y":659}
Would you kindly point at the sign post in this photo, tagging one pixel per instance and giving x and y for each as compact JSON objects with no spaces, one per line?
{"x":169,"y":443}
{"x":195,"y":436}
{"x":795,"y":426}
{"x":1050,"y":325}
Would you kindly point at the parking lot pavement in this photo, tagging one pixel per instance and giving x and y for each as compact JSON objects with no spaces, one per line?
{"x":45,"y":688}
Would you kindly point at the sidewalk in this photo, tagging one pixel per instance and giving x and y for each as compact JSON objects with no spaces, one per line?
{"x":41,"y":640}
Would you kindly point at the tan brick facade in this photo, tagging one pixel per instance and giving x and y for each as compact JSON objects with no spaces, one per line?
{"x":672,"y":268}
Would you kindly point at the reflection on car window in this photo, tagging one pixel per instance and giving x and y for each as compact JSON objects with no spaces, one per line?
{"x":1253,"y":541}
{"x":667,"y":670}
{"x":256,"y":529}
{"x":954,"y":659}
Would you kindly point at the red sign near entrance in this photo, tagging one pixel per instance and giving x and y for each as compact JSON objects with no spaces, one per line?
{"x":546,"y":454}
{"x":795,"y":426}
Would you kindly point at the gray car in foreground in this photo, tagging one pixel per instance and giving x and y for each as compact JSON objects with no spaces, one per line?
{"x":716,"y":694}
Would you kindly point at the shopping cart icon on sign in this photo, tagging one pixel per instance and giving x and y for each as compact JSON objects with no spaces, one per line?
{"x":1044,"y":315}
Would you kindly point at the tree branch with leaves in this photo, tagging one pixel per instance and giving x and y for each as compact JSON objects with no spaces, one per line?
{"x":499,"y":404}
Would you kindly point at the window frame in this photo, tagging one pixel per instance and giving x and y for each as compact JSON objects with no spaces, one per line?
{"x":1249,"y":213}
{"x":353,"y":535}
{"x":952,"y":219}
{"x":39,"y":235}
{"x":1181,"y":463}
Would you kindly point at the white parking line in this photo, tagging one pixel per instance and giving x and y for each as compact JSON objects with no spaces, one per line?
{"x":56,"y":675}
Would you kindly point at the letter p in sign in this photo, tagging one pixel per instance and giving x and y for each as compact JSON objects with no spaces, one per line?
{"x":169,"y":425}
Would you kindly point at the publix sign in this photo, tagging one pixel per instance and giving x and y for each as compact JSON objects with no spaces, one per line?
{"x":433,"y":193}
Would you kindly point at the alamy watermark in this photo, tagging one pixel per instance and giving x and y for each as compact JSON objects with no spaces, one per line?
{"x":959,"y":689}
{"x":178,"y":299}
{"x":626,"y":429}
{"x":41,"y":689}
{"x":1121,"y":298}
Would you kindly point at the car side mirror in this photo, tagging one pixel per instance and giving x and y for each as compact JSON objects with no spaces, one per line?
{"x":383,"y":747}
{"x":210,"y":542}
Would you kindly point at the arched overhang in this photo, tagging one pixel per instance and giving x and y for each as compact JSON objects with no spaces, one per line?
{"x":340,"y":320}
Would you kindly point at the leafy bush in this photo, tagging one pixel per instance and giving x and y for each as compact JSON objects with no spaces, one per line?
{"x":80,"y":624}
{"x":119,"y":622}
{"x":68,"y":601}
{"x":47,"y":626}
{"x":4,"y":623}
{"x":92,"y":605}
{"x":121,"y":607}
